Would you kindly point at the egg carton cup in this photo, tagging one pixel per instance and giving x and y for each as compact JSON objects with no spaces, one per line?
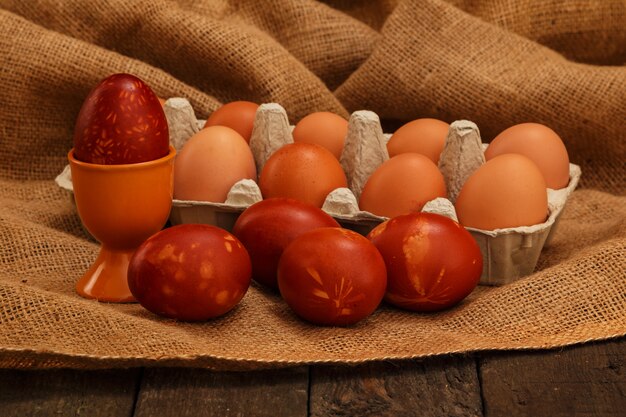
{"x":508,"y":254}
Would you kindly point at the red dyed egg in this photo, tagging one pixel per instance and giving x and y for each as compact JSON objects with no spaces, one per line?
{"x":432,"y":262}
{"x":332,"y":276}
{"x":190,"y":272}
{"x":121,"y":122}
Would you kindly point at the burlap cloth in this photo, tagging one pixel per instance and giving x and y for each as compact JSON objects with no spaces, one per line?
{"x":495,"y":62}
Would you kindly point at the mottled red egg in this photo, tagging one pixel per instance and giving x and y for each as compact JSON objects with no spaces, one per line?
{"x":121,"y":122}
{"x":432,"y":262}
{"x":190,"y":272}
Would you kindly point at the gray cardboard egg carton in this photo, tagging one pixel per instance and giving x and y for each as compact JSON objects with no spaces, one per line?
{"x":508,"y":254}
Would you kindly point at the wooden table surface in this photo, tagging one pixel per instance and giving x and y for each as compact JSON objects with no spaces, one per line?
{"x":584,"y":380}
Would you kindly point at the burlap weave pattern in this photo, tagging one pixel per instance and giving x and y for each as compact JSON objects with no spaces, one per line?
{"x":497,"y":63}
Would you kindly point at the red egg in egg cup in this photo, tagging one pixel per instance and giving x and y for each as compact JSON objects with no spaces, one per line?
{"x":121,"y":206}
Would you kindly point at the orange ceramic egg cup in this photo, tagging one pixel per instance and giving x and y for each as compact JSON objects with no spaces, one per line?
{"x":121,"y":206}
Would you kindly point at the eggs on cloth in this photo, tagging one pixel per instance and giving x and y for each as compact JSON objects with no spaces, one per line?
{"x":286,"y":242}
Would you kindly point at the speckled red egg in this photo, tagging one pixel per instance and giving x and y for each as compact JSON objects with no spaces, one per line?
{"x":121,"y":122}
{"x":190,"y":272}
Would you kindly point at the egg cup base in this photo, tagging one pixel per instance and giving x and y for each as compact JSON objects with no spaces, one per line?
{"x":106,"y":280}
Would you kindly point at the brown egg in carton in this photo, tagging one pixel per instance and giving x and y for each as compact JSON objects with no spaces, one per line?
{"x":508,"y":254}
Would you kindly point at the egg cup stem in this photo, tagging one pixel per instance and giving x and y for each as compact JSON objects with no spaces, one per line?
{"x":106,"y":279}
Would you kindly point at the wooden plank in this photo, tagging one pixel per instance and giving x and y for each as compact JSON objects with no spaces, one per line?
{"x":196,"y":392}
{"x":431,"y":387}
{"x":588,"y":380}
{"x":68,"y":392}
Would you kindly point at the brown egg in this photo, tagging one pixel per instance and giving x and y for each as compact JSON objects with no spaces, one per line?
{"x":238,"y":115}
{"x":424,"y":136}
{"x":210,"y":163}
{"x":303,"y":171}
{"x":402,"y":185}
{"x":323,"y":128}
{"x":539,"y":143}
{"x":507,"y":191}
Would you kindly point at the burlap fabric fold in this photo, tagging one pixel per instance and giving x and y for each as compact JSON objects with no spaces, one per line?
{"x":496,"y":62}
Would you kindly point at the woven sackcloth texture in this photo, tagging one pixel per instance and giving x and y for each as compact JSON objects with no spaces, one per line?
{"x":495,"y":62}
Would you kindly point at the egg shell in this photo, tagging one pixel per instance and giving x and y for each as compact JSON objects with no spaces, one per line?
{"x":238,"y":115}
{"x":190,"y":272}
{"x":210,"y":163}
{"x":322,"y":128}
{"x":507,"y":191}
{"x":303,"y":171}
{"x":121,"y":122}
{"x":540,"y":144}
{"x":402,"y":185}
{"x":424,"y":136}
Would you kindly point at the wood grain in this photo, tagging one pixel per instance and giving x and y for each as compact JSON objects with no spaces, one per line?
{"x":68,"y":393}
{"x":195,"y":392}
{"x":433,"y":387}
{"x":587,"y":380}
